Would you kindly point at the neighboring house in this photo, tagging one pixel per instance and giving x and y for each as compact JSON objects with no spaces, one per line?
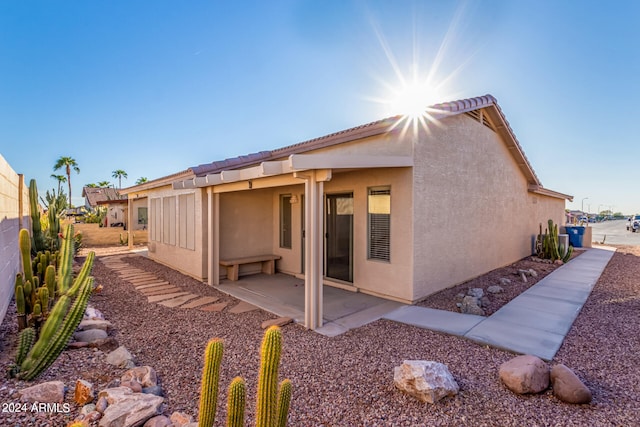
{"x":93,"y":195}
{"x":116,"y":212}
{"x":387,"y":209}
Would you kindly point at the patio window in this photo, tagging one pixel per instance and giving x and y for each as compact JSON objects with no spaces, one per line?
{"x":379,"y":223}
{"x":285,"y":221}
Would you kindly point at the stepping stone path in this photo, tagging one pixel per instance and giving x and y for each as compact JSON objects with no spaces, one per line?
{"x":164,"y":293}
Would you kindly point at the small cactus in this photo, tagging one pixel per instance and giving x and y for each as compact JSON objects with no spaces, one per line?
{"x":268,"y":380}
{"x":210,"y":379}
{"x":284,"y":401}
{"x":25,"y":341}
{"x":236,"y":402}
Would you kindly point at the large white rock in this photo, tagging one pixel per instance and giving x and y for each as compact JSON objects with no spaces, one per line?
{"x":49,"y":392}
{"x":128,"y":409}
{"x":427,"y":381}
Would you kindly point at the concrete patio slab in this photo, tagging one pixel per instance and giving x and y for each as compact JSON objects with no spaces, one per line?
{"x":436,"y":320}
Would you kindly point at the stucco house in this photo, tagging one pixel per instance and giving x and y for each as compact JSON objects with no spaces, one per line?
{"x":392,"y":208}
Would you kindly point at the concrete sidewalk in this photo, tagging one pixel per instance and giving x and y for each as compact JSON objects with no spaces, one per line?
{"x":535,"y":322}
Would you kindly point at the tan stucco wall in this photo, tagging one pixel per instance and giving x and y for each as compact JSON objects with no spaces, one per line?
{"x":472,"y":210}
{"x":187,"y":261}
{"x":246,"y":226}
{"x":10,"y":222}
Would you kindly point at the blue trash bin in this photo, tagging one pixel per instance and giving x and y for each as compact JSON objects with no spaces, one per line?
{"x":575,"y":235}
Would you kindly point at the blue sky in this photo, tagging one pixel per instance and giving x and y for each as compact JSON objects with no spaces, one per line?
{"x":154,"y":87}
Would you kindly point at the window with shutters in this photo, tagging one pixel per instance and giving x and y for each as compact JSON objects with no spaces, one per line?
{"x":379,"y":223}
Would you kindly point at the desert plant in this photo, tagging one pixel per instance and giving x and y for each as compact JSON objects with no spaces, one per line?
{"x":38,"y":241}
{"x":272,"y":402}
{"x":548,"y":246}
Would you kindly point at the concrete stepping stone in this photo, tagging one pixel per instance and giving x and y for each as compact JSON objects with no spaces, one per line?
{"x":139,"y":276}
{"x":144,"y":281}
{"x":242,"y":307}
{"x":151,"y":285}
{"x":174,"y":302}
{"x":200,"y":302}
{"x":167,"y":290}
{"x":280,"y":321}
{"x":131,"y":270}
{"x":158,"y":298}
{"x":214,"y":307}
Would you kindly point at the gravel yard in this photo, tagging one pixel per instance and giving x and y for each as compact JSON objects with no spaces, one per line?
{"x":348,"y":380}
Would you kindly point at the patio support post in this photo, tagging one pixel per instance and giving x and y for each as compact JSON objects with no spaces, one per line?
{"x":129,"y":222}
{"x":213,"y":237}
{"x":314,"y":244}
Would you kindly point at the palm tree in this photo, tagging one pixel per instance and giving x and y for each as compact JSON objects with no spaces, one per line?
{"x":60,"y":178}
{"x":104,"y":184}
{"x":141,"y":180}
{"x":92,"y":185}
{"x":119,"y":173}
{"x":68,"y":163}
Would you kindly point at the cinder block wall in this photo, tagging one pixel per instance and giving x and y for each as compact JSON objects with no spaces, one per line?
{"x":14,"y":214}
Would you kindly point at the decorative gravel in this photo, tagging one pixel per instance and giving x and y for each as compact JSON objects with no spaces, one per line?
{"x":348,"y":380}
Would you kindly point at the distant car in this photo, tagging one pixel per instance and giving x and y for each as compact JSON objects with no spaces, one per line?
{"x":633,"y":224}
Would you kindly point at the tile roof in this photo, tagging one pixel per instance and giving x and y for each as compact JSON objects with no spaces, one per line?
{"x":362,"y":131}
{"x":99,"y":194}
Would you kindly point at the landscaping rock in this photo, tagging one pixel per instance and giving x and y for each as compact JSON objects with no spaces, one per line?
{"x":525,"y":374}
{"x":101,"y":404}
{"x":92,"y":313}
{"x":121,"y":358}
{"x":77,"y":344}
{"x":133,"y":385}
{"x":105,"y":344}
{"x":88,"y":324}
{"x":84,"y":392}
{"x":505,"y":281}
{"x":90,"y":335}
{"x":567,"y":386}
{"x":427,"y":381}
{"x":495,"y":289}
{"x":49,"y":392}
{"x":86,"y":409}
{"x":180,"y":419}
{"x":156,"y":389}
{"x":158,"y":421}
{"x":475,"y":292}
{"x":280,"y":321}
{"x":471,"y":305}
{"x":145,"y":375}
{"x":128,"y":409}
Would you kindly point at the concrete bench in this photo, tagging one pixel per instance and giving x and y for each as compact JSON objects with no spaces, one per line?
{"x":233,"y":265}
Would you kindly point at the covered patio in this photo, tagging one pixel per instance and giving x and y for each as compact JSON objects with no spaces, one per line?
{"x":284,"y":295}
